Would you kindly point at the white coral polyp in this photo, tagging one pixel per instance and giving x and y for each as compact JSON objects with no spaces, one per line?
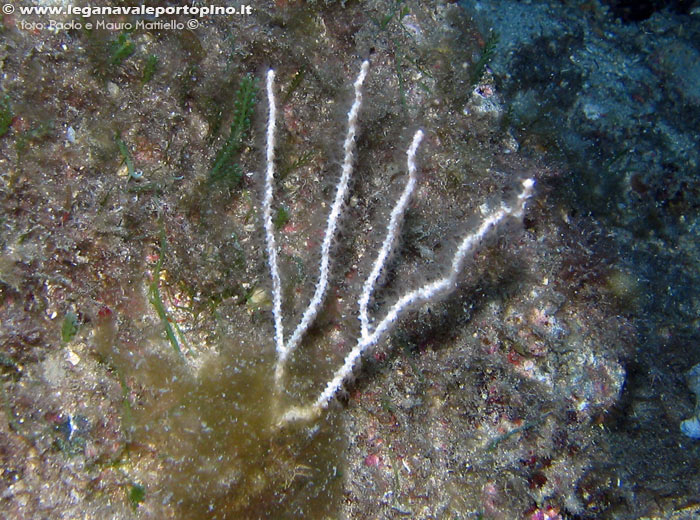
{"x":371,"y":333}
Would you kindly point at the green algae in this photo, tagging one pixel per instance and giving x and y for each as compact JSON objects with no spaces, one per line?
{"x":6,"y":115}
{"x":226,"y":168}
{"x":149,"y":68}
{"x":487,"y":54}
{"x":121,"y":49}
{"x":137,"y":494}
{"x":69,"y":328}
{"x":155,"y":298}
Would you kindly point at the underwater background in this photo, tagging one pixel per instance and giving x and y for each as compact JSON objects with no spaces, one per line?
{"x":558,"y":380}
